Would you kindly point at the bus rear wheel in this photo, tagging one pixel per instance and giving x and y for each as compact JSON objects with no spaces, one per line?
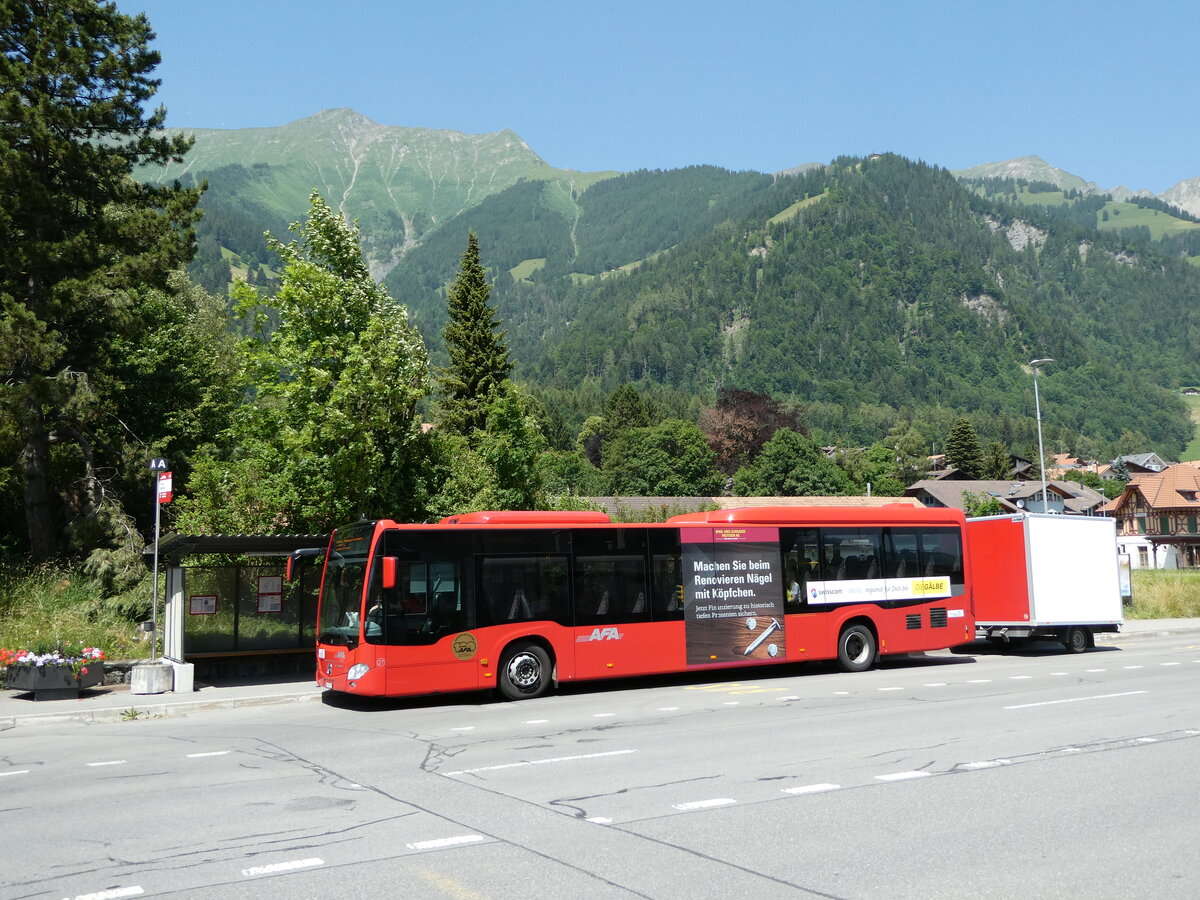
{"x":856,"y":648}
{"x":524,"y":672}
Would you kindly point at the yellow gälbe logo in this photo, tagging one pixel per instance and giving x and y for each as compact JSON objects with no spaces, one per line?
{"x":464,"y":646}
{"x":922,"y":587}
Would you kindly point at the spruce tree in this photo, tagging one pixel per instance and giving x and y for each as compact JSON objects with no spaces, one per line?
{"x":962,"y":449}
{"x":479,"y":361}
{"x":997,"y":464}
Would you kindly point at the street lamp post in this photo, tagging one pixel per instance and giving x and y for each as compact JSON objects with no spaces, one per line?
{"x":1037,"y":405}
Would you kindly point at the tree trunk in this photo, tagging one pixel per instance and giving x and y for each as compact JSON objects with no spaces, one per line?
{"x":39,"y":517}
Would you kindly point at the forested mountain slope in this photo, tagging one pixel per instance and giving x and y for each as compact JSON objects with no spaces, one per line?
{"x":872,"y":292}
{"x":894,"y":287}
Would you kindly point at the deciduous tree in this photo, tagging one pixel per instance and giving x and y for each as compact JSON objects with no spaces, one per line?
{"x":331,"y":431}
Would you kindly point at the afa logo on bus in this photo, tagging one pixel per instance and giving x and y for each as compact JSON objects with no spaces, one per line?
{"x":600,"y":634}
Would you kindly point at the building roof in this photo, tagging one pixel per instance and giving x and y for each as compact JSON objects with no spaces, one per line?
{"x":1077,"y":498}
{"x":621,"y":506}
{"x":1175,"y":487}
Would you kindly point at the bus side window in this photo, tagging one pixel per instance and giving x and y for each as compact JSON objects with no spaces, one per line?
{"x":610,"y":588}
{"x":666,"y":576}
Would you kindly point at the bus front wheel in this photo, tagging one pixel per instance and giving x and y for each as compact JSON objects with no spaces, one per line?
{"x":856,"y":648}
{"x":524,"y":672}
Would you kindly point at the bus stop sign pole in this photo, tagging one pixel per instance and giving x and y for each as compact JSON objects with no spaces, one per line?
{"x":162,"y":494}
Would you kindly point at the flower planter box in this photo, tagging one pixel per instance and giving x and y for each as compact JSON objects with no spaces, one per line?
{"x":51,"y":682}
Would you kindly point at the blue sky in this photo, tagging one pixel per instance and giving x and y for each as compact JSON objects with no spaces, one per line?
{"x":1106,"y":90}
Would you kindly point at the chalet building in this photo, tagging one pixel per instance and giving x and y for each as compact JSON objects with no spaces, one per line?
{"x":1162,"y":510}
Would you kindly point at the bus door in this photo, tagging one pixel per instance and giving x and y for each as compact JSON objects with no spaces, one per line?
{"x":420,"y":620}
{"x":807,"y":631}
{"x":612,"y":605}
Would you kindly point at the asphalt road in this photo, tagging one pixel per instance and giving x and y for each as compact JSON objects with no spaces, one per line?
{"x":1035,"y":774}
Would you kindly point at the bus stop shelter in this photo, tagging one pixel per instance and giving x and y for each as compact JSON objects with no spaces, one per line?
{"x":228,"y":604}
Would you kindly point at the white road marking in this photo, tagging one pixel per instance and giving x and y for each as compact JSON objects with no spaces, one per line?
{"x":109,"y":762}
{"x":703,"y":804}
{"x":812,"y":789}
{"x":987,"y":764}
{"x":603,"y":715}
{"x":446,"y":842}
{"x":841,"y":693}
{"x":600,"y":820}
{"x":541,"y":762}
{"x":535,"y":721}
{"x":980,"y":681}
{"x":936,"y":684}
{"x":133,"y":890}
{"x":290,"y":866}
{"x":902,"y":776}
{"x":1095,"y":670}
{"x":667,"y":708}
{"x":1169,"y":664}
{"x":1060,"y":673}
{"x":889,"y":689}
{"x":733,"y":703}
{"x":789,"y":697}
{"x":1076,"y":700}
{"x":464,"y":728}
{"x":1018,"y":677}
{"x":18,"y":772}
{"x":1131,"y":667}
{"x":210,"y":753}
{"x":1147,"y":740}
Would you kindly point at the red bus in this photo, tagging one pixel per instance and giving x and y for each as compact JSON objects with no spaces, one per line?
{"x":518,"y":601}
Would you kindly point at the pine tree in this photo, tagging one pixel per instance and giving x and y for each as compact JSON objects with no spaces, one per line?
{"x":80,"y":237}
{"x":962,"y":449}
{"x":479,"y":361}
{"x":997,"y":464}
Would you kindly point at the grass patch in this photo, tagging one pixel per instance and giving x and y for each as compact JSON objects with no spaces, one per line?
{"x":49,"y":604}
{"x":523,"y":270}
{"x":1192,"y":450}
{"x":1042,"y":198}
{"x":1127,"y":215}
{"x":1165,"y":594}
{"x":795,"y":208}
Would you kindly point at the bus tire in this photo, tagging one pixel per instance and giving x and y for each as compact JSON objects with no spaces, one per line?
{"x":525,"y":672}
{"x":856,"y":648}
{"x":1077,"y":639}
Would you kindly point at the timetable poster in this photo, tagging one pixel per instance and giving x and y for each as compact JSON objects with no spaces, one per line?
{"x":733,"y":591}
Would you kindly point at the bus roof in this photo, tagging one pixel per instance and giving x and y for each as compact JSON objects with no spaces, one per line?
{"x":529,"y":517}
{"x":895,"y":513}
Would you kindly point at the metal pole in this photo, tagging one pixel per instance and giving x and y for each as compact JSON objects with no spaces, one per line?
{"x":1037,"y":404}
{"x":154,"y":590}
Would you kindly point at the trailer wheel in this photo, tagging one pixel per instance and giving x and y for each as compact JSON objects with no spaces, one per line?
{"x":1078,"y":639}
{"x":524,"y":672}
{"x":856,"y":648}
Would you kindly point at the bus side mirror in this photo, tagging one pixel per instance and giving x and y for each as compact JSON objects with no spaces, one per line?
{"x":292,"y":569}
{"x":388,"y":574}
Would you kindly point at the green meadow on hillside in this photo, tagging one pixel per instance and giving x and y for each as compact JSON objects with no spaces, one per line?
{"x":1127,"y":215}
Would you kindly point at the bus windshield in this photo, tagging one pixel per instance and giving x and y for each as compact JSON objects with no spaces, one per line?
{"x":342,"y":587}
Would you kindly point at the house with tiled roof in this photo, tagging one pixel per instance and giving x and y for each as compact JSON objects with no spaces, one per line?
{"x":1163,"y":510}
{"x":1067,"y":497}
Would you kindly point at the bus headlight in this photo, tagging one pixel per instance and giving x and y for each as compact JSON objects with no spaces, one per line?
{"x":357,"y":671}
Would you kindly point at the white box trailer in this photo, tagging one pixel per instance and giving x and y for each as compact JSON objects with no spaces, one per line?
{"x":1047,"y":577}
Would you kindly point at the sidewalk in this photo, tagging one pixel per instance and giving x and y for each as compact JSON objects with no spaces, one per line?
{"x":115,"y":703}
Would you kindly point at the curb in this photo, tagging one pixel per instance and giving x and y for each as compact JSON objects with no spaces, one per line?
{"x":153,"y":710}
